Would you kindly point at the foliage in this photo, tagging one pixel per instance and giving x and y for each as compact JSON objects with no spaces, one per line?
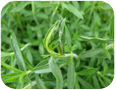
{"x":57,"y":44}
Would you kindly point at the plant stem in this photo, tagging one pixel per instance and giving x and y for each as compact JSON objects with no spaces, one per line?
{"x":28,"y":86}
{"x":69,"y":55}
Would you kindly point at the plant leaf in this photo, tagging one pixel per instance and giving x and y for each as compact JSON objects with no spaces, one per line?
{"x":87,"y":71}
{"x":73,"y":10}
{"x":84,"y":83}
{"x":48,"y":38}
{"x":67,"y":36}
{"x":57,"y":73}
{"x":91,"y":53}
{"x":95,"y":82}
{"x":18,"y":53}
{"x":9,"y":67}
{"x":95,"y":38}
{"x":70,"y":74}
{"x":40,"y":83}
{"x":20,"y":6}
{"x":77,"y":86}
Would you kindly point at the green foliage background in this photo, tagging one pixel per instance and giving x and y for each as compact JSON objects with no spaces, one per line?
{"x":89,"y":32}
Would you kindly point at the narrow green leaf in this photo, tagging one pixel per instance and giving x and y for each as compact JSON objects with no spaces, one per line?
{"x":21,"y":82}
{"x":110,"y":46}
{"x":84,"y":83}
{"x":9,"y":67}
{"x":11,"y":75}
{"x":4,"y":10}
{"x":42,"y":65}
{"x":27,"y":63}
{"x":29,"y":33}
{"x":87,"y":71}
{"x":95,"y":38}
{"x":73,"y":10}
{"x":91,"y":75}
{"x":40,"y":82}
{"x":76,"y":4}
{"x":20,"y":6}
{"x":12,"y":61}
{"x":106,"y":80}
{"x":57,"y":73}
{"x":85,"y":27}
{"x":60,"y":49}
{"x":108,"y":54}
{"x":11,"y":79}
{"x":70,"y":74}
{"x":101,"y":81}
{"x":105,"y":68}
{"x":67,"y":36}
{"x":29,"y":56}
{"x":77,"y":86}
{"x":96,"y":82}
{"x":5,"y":54}
{"x":41,"y":49}
{"x":18,"y":53}
{"x":21,"y":79}
{"x":62,"y":25}
{"x":48,"y":38}
{"x":91,"y":53}
{"x":112,"y":28}
{"x":61,"y":31}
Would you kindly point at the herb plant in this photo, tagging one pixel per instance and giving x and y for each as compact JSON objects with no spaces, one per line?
{"x":57,"y":44}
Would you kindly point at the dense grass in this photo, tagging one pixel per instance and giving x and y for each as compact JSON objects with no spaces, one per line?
{"x":53,"y":44}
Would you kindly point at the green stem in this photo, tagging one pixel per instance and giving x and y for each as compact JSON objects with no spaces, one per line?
{"x":69,"y":55}
{"x":9,"y":67}
{"x":28,"y":86}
